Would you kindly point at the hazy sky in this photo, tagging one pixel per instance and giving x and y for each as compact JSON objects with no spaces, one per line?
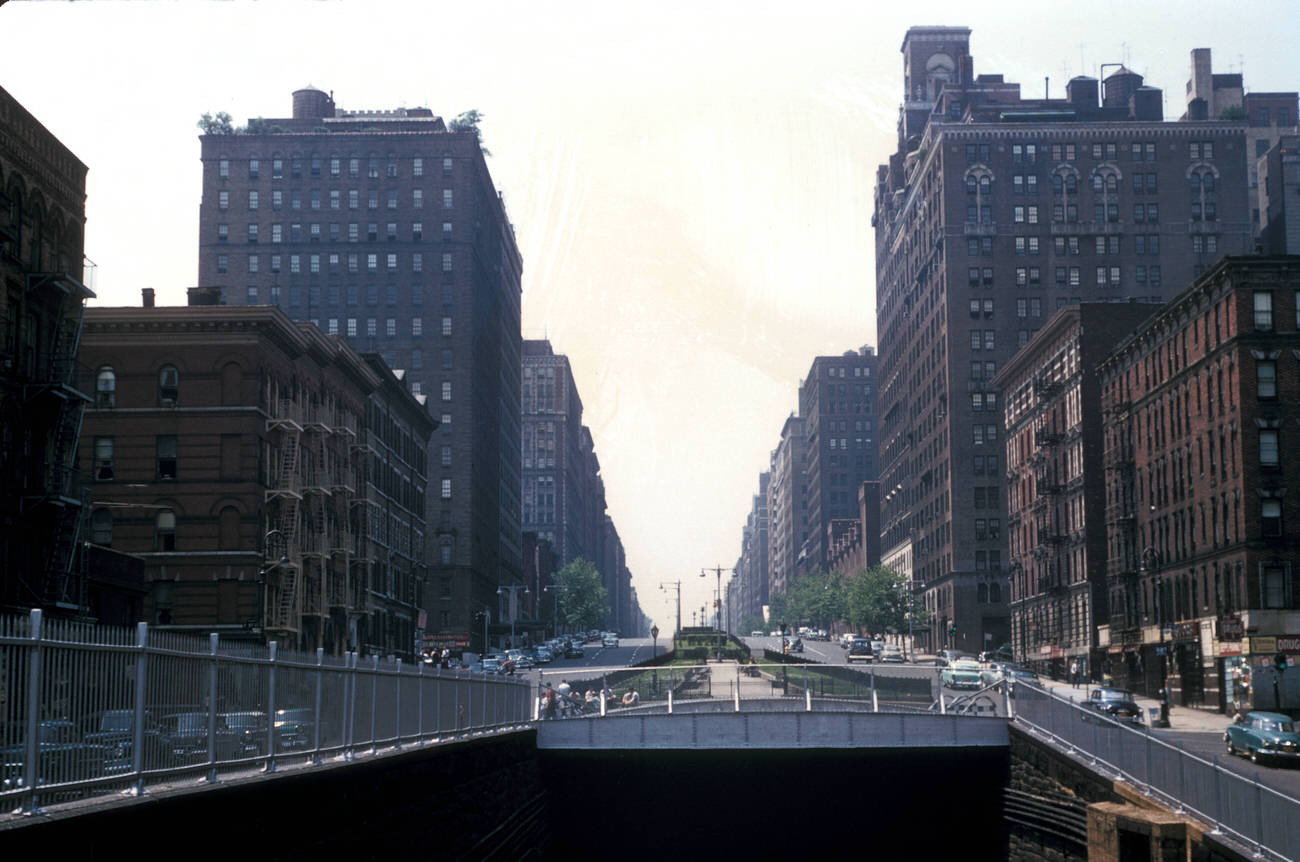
{"x":691,"y":183}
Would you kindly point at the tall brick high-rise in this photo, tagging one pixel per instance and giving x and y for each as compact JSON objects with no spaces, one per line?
{"x":385,"y":227}
{"x":995,"y":211}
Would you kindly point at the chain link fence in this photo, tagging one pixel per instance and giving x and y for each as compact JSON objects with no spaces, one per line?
{"x":90,"y":710}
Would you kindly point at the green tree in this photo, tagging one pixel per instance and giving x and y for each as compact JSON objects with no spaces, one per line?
{"x":879,"y":600}
{"x":218,"y":125}
{"x":583,"y":601}
{"x":816,"y":599}
{"x":750,"y":623}
{"x":778,"y":610}
{"x":468,"y":122}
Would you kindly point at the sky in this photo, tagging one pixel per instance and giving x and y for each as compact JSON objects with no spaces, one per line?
{"x":690,"y":182}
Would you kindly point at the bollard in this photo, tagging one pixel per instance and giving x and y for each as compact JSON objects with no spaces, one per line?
{"x":137,"y":736}
{"x":32,"y":747}
{"x":875,"y":704}
{"x":807,"y":698}
{"x":397,"y":719}
{"x":320,"y":681}
{"x":670,"y":701}
{"x":374,"y":700}
{"x":270,"y":709}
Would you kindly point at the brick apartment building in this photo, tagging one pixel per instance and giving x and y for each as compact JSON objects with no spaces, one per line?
{"x":1200,"y":405}
{"x":1055,"y":507}
{"x":42,"y":297}
{"x":384,"y":227}
{"x":837,"y":401}
{"x":242,"y":457}
{"x":995,"y":211}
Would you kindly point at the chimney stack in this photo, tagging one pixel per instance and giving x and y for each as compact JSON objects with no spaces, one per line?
{"x":147,"y":292}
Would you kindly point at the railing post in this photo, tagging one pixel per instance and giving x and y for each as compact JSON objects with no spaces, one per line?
{"x":1182,"y":777}
{"x":349,"y":704}
{"x":137,"y":730}
{"x":320,"y":682}
{"x":32,"y":752}
{"x":419,"y":695}
{"x":943,"y":707}
{"x":374,"y":700}
{"x":1218,"y":797}
{"x":1259,"y":816}
{"x":213,"y":640}
{"x":737,"y":695}
{"x":670,"y":700}
{"x":270,"y":707}
{"x":397,"y":720}
{"x":604,"y":684}
{"x":807,"y":693}
{"x":1146,"y":779}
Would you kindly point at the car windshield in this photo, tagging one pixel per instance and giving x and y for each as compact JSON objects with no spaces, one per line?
{"x":1115,"y":694}
{"x":1277,"y":726}
{"x":115,"y":721}
{"x":190,"y":721}
{"x":240,"y":721}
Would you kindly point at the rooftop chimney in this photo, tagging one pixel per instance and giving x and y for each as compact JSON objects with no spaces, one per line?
{"x":147,"y":293}
{"x":203,"y":295}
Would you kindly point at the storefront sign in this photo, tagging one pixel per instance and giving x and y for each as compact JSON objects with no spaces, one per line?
{"x":1230,"y":628}
{"x":1188,"y":630}
{"x":1227,"y":648}
{"x":1289,"y":644}
{"x":1261,"y":645}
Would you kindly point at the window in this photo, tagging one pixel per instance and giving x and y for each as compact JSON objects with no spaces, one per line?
{"x":417,"y":327}
{"x":417,"y":262}
{"x":446,"y":391}
{"x":1263,"y":309}
{"x":223,"y":200}
{"x":1274,"y":586}
{"x":169,"y":382}
{"x":417,"y":199}
{"x":352,"y":327}
{"x":417,"y":167}
{"x":165,"y":531}
{"x":1270,"y":518}
{"x":223,"y":233}
{"x":446,"y":359}
{"x":370,"y":326}
{"x":223,"y":168}
{"x":391,"y":262}
{"x":447,"y":201}
{"x":446,"y":326}
{"x":103,"y":459}
{"x":166,"y":457}
{"x":106,"y":386}
{"x":1266,"y":378}
{"x":1268,"y":447}
{"x":417,"y":358}
{"x":446,"y":489}
{"x":446,"y":262}
{"x":392,"y":199}
{"x":390,"y":326}
{"x":252,"y":263}
{"x":252,"y":199}
{"x":101,"y":528}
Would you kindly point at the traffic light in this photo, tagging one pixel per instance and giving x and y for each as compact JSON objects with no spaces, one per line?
{"x":952,"y":627}
{"x":1279,"y":661}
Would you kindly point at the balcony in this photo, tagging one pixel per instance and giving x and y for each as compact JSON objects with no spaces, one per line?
{"x":975,"y":229}
{"x":1044,"y":438}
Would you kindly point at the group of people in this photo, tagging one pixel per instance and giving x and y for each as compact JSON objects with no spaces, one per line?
{"x":564,"y":699}
{"x":442,"y":658}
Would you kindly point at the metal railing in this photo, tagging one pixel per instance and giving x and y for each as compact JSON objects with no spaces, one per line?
{"x":817,"y":686}
{"x":1243,"y":808}
{"x":90,"y":710}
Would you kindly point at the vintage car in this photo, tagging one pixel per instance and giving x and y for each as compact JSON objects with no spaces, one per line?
{"x":962,"y":673}
{"x":1263,"y":736}
{"x":860,"y":650}
{"x":1115,"y":703}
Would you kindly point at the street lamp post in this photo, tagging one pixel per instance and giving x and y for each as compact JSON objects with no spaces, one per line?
{"x":1162,"y":649}
{"x":677,"y":585}
{"x":554,"y":589}
{"x":717,"y":606}
{"x":501,"y":590}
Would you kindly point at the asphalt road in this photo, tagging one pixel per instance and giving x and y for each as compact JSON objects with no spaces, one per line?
{"x":1284,"y":777}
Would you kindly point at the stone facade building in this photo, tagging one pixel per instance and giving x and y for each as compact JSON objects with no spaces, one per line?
{"x":995,"y":211}
{"x":385,"y":228}
{"x":42,"y":297}
{"x":1055,"y":506}
{"x":787,"y":504}
{"x":1200,"y":407}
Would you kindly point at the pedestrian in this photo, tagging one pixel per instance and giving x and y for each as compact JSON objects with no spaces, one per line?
{"x":550,"y":701}
{"x":1074,"y":673}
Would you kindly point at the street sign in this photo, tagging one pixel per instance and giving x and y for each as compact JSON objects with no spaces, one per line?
{"x":1162,"y":650}
{"x":654,"y":631}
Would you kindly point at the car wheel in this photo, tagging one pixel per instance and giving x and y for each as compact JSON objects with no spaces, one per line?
{"x":1232,"y":749}
{"x":1254,"y":755}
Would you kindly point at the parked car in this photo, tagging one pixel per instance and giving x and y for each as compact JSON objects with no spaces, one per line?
{"x":294,"y":729}
{"x":756,"y":634}
{"x":847,"y":639}
{"x":573,"y":650}
{"x":63,"y":756}
{"x":610,"y":641}
{"x":488,"y":665}
{"x":241,"y":734}
{"x":1117,"y":703}
{"x":1264,"y":736}
{"x":946,"y":657}
{"x":184,"y":736}
{"x":111,"y":736}
{"x":961,"y":673}
{"x":860,"y":650}
{"x":891,"y":654}
{"x":1014,"y":676}
{"x":796,"y":645}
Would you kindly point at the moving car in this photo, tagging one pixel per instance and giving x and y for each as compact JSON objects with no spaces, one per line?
{"x":573,"y":651}
{"x":962,"y":673}
{"x":796,"y":645}
{"x":860,"y":650}
{"x":610,"y":641}
{"x":294,"y":728}
{"x":756,"y":634}
{"x":1116,"y":703}
{"x":1014,"y":675}
{"x":891,"y":653}
{"x":1264,"y":736}
{"x":948,"y":656}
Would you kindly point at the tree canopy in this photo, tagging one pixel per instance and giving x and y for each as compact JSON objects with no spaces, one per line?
{"x":468,"y":121}
{"x":872,"y":600}
{"x":583,"y":602}
{"x":218,"y":125}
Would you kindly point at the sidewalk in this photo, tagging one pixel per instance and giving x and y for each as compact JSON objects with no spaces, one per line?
{"x":1181,"y":718}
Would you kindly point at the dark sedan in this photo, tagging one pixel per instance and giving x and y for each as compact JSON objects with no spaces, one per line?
{"x":1115,"y":703}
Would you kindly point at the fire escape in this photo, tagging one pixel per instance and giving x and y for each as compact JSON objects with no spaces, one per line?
{"x":283,"y":511}
{"x":51,"y":498}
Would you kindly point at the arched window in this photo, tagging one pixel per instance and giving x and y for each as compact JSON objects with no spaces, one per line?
{"x":168,"y":384}
{"x":995,"y":592}
{"x":165,"y":531}
{"x":982,"y":593}
{"x":106,"y":387}
{"x":101,"y":528}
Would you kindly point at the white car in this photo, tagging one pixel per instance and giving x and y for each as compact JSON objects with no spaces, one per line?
{"x":609,"y":641}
